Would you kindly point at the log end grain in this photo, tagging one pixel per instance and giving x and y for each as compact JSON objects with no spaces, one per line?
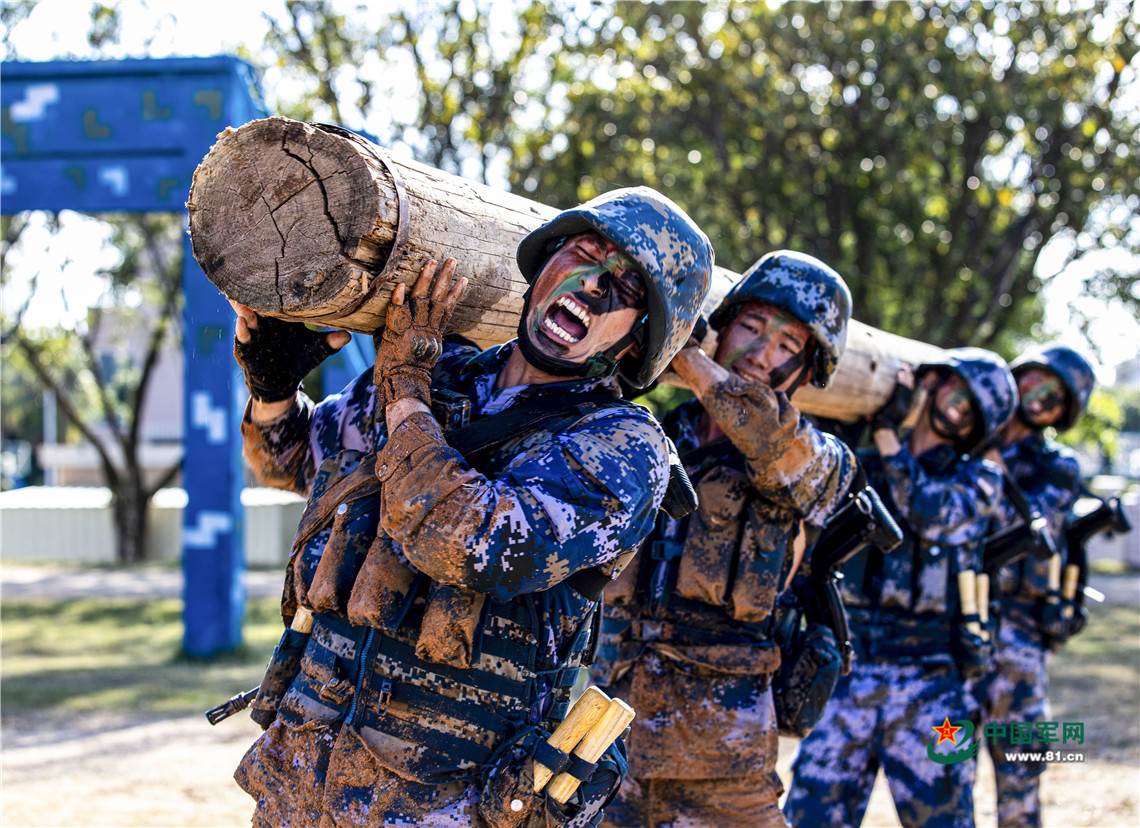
{"x":283,"y":215}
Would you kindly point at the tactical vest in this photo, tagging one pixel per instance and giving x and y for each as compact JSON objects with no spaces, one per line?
{"x":1024,"y":586}
{"x":711,"y":578}
{"x":1035,"y":463}
{"x":902,"y":604}
{"x":432,"y":677}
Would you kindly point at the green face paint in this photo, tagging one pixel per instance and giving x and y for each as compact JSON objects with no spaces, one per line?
{"x":758,"y":328}
{"x":1047,"y":394}
{"x":616,"y":275}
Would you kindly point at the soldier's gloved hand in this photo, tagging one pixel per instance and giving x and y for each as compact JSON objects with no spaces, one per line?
{"x":1078,"y":620}
{"x":275,"y":355}
{"x":412,"y":340}
{"x":972,"y":653}
{"x":894,"y":410}
{"x":1054,"y":624}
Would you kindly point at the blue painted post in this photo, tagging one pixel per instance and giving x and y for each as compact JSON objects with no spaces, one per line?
{"x":127,"y":136}
{"x":213,"y":557}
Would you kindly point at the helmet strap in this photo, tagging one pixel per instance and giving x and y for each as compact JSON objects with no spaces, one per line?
{"x":781,"y":373}
{"x":945,"y":429}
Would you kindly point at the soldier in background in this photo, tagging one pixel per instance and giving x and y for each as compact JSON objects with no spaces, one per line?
{"x":1054,"y":384}
{"x":449,"y":618}
{"x":688,"y":633}
{"x":915,"y":649}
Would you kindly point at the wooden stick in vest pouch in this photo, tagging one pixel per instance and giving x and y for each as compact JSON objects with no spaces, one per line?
{"x":968,"y":597}
{"x":302,"y":621}
{"x":1069,"y":585}
{"x":1054,"y":594}
{"x":609,"y":727}
{"x":983,"y":585}
{"x":585,"y":713}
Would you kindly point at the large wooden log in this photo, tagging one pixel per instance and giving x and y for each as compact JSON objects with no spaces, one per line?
{"x":315,"y":224}
{"x":312,"y":223}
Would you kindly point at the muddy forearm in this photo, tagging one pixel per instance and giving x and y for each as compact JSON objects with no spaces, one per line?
{"x":789,"y":462}
{"x":278,"y":450}
{"x":583,"y":501}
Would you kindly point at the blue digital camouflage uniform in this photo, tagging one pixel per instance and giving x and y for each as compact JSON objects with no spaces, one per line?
{"x":687,"y":635}
{"x":443,"y":622}
{"x":902,"y":607}
{"x":1016,"y":687}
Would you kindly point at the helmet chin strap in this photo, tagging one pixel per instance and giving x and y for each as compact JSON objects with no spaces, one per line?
{"x":602,"y":364}
{"x":781,"y":373}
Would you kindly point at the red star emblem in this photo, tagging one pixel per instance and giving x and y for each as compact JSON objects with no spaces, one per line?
{"x":946,"y":732}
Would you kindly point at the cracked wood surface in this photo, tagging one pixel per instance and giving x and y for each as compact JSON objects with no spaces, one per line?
{"x":299,"y":222}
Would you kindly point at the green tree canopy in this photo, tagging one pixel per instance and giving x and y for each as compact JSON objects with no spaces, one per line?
{"x":930,"y":153}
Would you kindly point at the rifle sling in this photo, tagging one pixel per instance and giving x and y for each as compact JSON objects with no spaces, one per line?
{"x":1016,"y":497}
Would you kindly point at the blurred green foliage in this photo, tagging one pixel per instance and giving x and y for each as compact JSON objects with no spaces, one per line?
{"x":928,"y":151}
{"x":1098,"y":431}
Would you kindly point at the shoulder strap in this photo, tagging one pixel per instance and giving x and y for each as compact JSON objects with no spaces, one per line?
{"x":487,"y":433}
{"x":720,"y":448}
{"x":360,"y":480}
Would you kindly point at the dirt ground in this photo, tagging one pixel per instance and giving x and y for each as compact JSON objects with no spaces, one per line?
{"x":117,"y":770}
{"x":176,"y":772}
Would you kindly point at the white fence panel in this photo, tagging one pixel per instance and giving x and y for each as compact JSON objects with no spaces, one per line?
{"x":72,"y":524}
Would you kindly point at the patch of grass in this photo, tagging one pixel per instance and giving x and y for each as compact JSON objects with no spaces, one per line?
{"x":1095,"y":679}
{"x":1106,"y":566}
{"x":122,"y":655}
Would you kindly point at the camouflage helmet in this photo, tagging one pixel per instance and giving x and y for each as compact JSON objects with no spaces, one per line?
{"x":1071,"y":368}
{"x":674,"y":256}
{"x":806,"y":288}
{"x":991,"y":385}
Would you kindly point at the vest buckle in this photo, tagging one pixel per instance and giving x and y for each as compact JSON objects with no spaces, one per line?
{"x":336,"y":691}
{"x":385,"y":695}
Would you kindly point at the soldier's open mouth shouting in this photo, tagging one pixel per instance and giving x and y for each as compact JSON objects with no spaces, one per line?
{"x":586,"y":298}
{"x":568,"y":320}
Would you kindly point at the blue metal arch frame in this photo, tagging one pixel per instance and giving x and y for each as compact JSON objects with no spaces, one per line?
{"x":126,"y":136}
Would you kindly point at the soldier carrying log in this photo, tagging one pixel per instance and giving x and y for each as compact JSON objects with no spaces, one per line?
{"x":451,"y":575}
{"x":914,"y":618}
{"x":1054,"y":384}
{"x":688,"y":633}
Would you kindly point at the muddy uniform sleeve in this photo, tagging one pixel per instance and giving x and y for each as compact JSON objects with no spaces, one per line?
{"x":790,"y":462}
{"x":588,"y":495}
{"x":279,"y":452}
{"x":285,"y":453}
{"x":949,"y":510}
